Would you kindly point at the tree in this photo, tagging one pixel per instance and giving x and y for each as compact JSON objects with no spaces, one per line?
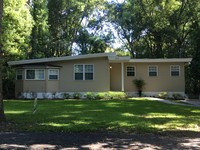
{"x":195,"y":64}
{"x":125,"y":21}
{"x":40,"y":31}
{"x":65,"y":20}
{"x":154,"y":29}
{"x":90,"y":43}
{"x":17,"y":25}
{"x":2,"y":115}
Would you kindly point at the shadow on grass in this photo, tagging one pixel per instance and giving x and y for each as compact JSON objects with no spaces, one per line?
{"x":115,"y":115}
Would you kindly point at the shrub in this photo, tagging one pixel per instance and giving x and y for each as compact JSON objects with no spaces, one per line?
{"x":192,"y":96}
{"x":117,"y":95}
{"x":163,"y":95}
{"x":177,"y":96}
{"x":76,"y":95}
{"x":110,"y":95}
{"x":100,"y":95}
{"x":139,"y":84}
{"x":66,"y":95}
{"x":90,"y":95}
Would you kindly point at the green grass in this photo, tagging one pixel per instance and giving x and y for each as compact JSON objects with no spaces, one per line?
{"x":141,"y":115}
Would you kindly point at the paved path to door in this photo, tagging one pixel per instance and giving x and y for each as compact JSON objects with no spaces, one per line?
{"x":194,"y":103}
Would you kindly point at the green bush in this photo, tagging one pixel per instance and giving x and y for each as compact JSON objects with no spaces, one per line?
{"x":100,"y":95}
{"x":117,"y":95}
{"x":90,"y":95}
{"x":76,"y":95}
{"x":66,"y":95}
{"x":163,"y":95}
{"x":192,"y":96}
{"x":177,"y":96}
{"x":139,"y":84}
{"x":106,"y":95}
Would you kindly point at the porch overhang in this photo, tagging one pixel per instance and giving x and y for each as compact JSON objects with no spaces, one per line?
{"x":118,"y":59}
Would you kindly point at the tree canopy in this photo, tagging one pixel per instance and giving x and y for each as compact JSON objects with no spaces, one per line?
{"x":139,"y":28}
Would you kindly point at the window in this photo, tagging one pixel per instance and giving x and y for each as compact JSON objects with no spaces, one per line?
{"x":35,"y":74}
{"x":83,"y":72}
{"x":88,"y":72}
{"x":53,"y":74}
{"x":19,"y":74}
{"x":153,"y":71}
{"x":130,"y":71}
{"x":78,"y":69}
{"x":175,"y":70}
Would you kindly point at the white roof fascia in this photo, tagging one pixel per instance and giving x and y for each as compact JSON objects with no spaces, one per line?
{"x":184,"y":60}
{"x":48,"y":67}
{"x":119,"y":58}
{"x":54,"y":59}
{"x":136,"y":60}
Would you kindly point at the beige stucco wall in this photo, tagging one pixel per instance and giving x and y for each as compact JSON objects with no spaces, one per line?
{"x":101,"y":80}
{"x":66,"y":82}
{"x":52,"y":86}
{"x":18,"y":87}
{"x":161,"y":83}
{"x":34,"y":86}
{"x":105,"y":78}
{"x":115,"y":77}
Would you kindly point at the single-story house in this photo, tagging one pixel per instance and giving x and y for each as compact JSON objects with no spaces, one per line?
{"x":45,"y":77}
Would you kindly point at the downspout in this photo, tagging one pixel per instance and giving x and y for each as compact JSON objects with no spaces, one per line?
{"x":122,"y":74}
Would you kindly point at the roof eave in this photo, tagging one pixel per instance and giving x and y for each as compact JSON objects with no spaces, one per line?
{"x":172,"y":60}
{"x":55,"y":59}
{"x":116,"y":59}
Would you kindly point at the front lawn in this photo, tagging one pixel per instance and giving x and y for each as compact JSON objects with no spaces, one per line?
{"x":130,"y":115}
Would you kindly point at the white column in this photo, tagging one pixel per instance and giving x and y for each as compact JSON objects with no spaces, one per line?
{"x":122,"y":71}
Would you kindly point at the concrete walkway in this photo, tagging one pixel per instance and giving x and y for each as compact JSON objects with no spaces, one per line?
{"x":194,"y":103}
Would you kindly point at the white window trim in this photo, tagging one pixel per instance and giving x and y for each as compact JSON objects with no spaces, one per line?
{"x":156,"y":70}
{"x":84,"y":72}
{"x":134,"y":71}
{"x":35,"y":70}
{"x":58,"y":74}
{"x":21,"y":74}
{"x":179,"y":67}
{"x":75,"y":72}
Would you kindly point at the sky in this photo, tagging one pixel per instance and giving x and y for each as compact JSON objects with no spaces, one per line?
{"x":116,"y":1}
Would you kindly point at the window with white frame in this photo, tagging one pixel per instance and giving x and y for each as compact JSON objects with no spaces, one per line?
{"x":35,"y":74}
{"x":78,"y":70}
{"x":89,"y":72}
{"x":175,"y":70}
{"x":53,"y":74}
{"x":130,"y":71}
{"x":19,"y":74}
{"x":83,"y":72}
{"x":153,"y":71}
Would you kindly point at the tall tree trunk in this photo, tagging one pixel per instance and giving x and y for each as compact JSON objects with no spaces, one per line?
{"x":2,"y":115}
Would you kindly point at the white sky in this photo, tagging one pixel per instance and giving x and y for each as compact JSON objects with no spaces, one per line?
{"x":116,"y":1}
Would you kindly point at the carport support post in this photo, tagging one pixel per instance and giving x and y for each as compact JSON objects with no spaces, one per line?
{"x":122,"y":71}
